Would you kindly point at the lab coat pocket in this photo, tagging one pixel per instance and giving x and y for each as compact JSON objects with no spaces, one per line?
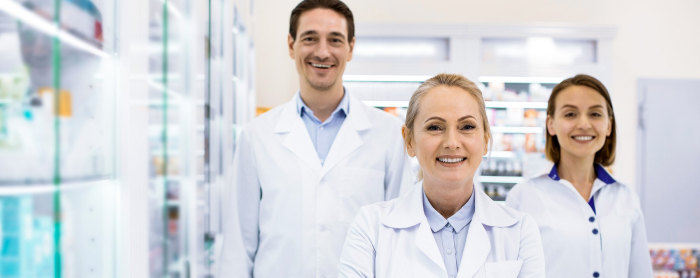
{"x":503,"y":269}
{"x":359,"y":187}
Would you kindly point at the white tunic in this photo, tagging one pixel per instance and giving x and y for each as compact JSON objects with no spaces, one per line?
{"x":578,"y":241}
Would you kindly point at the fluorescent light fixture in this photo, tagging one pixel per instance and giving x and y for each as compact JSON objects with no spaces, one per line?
{"x":514,"y":79}
{"x":31,"y":189}
{"x":385,"y":78}
{"x":380,"y":103}
{"x":30,"y":18}
{"x":500,"y":179}
{"x":511,"y":129}
{"x":514,"y":104}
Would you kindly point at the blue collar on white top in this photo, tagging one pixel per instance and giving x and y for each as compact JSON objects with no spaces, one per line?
{"x":600,"y":172}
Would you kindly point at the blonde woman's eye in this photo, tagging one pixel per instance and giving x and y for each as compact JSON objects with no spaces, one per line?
{"x":468,"y":127}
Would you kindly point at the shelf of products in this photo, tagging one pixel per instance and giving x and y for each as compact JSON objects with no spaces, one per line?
{"x":673,"y":262}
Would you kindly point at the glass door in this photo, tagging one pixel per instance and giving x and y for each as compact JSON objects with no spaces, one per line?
{"x":57,"y":138}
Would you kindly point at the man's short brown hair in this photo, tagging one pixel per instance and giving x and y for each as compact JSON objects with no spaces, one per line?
{"x":604,"y":156}
{"x":334,"y":5}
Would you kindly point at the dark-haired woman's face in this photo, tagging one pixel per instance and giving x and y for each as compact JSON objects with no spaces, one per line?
{"x":581,"y":122}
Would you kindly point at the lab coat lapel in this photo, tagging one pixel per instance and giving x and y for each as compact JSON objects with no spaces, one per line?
{"x":348,"y":139}
{"x":426,"y":243}
{"x":297,"y":139}
{"x":478,"y":245}
{"x":476,"y":249}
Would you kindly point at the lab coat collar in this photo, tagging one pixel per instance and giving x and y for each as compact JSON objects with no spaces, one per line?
{"x":600,"y":172}
{"x":408,"y":211}
{"x":299,"y":142}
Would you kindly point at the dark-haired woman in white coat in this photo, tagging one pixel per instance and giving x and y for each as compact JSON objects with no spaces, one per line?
{"x":591,"y":224}
{"x":443,"y":227}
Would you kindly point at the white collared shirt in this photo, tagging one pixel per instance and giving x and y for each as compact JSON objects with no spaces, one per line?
{"x":604,"y":236}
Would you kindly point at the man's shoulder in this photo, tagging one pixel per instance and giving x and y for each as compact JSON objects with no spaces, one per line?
{"x":266,"y":121}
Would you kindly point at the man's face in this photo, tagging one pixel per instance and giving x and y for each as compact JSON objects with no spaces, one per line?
{"x":321,"y":48}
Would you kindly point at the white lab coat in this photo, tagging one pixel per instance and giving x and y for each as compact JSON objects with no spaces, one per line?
{"x":618,"y":248}
{"x":290,"y":214}
{"x":393,"y":239}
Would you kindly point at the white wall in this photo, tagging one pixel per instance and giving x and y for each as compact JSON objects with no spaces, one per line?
{"x":654,"y":39}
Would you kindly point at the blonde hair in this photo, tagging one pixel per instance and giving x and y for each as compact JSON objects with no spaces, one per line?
{"x":606,"y":155}
{"x":447,"y":80}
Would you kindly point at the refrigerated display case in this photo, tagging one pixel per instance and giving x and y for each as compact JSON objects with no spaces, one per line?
{"x":117,"y":123}
{"x":57,"y":175}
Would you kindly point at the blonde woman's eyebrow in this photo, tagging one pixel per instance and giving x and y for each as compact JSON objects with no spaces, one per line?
{"x":435,"y":118}
{"x":466,"y":117}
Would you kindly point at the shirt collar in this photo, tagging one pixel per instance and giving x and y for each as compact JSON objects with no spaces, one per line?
{"x":458,"y":221}
{"x":343,"y":106}
{"x":600,"y":173}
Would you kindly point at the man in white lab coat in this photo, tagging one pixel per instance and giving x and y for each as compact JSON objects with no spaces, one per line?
{"x":303,"y":170}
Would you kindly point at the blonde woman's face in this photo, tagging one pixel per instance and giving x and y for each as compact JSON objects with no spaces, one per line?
{"x":581,"y":122}
{"x":448,"y":136}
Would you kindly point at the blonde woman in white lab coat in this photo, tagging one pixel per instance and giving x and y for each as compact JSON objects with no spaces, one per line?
{"x":591,"y":225}
{"x":443,"y":227}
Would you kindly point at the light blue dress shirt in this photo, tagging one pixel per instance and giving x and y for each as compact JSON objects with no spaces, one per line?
{"x":450,"y":234}
{"x":323,"y":134}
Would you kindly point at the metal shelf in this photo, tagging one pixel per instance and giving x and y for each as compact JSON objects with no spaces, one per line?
{"x":500,"y":179}
{"x":501,"y":154}
{"x":489,"y":104}
{"x":514,"y":79}
{"x":516,"y":104}
{"x":517,"y":129}
{"x":44,"y":188}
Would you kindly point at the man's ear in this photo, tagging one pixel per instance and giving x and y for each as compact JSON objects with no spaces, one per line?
{"x":290,"y":44}
{"x":352,"y":46}
{"x":409,"y":142}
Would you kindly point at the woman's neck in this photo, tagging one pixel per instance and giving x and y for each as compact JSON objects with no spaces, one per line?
{"x":580,"y":172}
{"x":447,"y":199}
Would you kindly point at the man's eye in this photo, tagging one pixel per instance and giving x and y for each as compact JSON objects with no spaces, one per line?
{"x":433,"y":128}
{"x":307,"y":39}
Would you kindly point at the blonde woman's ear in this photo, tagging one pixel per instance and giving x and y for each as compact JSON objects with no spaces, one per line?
{"x":408,"y":142}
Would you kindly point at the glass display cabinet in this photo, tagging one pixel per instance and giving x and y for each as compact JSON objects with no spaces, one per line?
{"x":57,"y":170}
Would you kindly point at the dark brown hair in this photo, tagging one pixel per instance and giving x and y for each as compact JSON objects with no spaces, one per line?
{"x":334,"y":5}
{"x":606,"y":155}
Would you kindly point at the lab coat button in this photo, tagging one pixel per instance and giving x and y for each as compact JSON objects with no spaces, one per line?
{"x":595,"y":232}
{"x":591,"y":219}
{"x":596,"y":274}
{"x":321,"y":128}
{"x":449,"y":251}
